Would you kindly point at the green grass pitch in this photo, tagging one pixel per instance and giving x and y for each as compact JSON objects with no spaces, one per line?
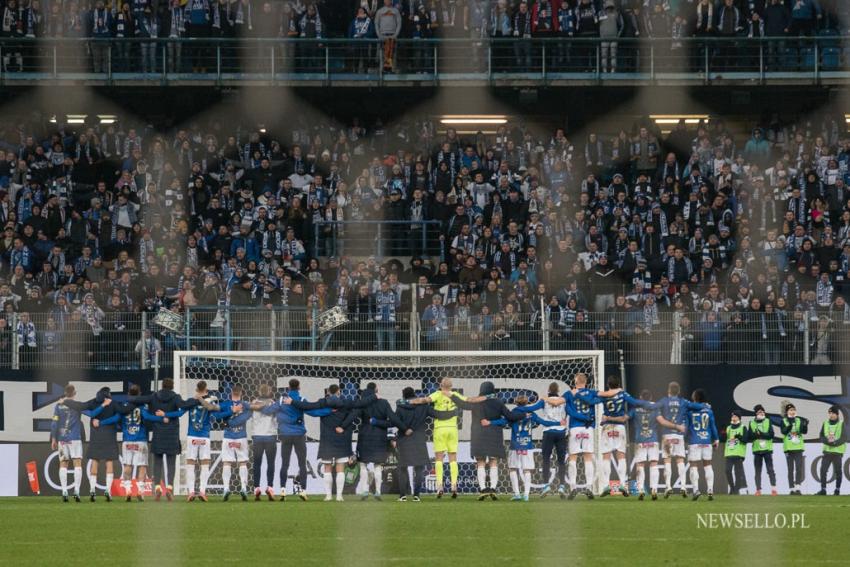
{"x":607,"y":531}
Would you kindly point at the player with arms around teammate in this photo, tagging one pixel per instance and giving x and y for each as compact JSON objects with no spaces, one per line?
{"x":234,"y":448}
{"x":372,"y":441}
{"x":520,"y":457}
{"x":615,"y":416}
{"x":198,"y":441}
{"x":165,"y":438}
{"x":702,"y":438}
{"x":292,"y":436}
{"x":66,"y":437}
{"x":645,"y":431}
{"x":413,"y":447}
{"x":579,"y":404}
{"x":487,"y":444}
{"x":445,"y":433}
{"x":103,"y":443}
{"x":334,"y":437}
{"x":264,"y":440}
{"x":672,"y":413}
{"x":132,"y":419}
{"x":554,"y":437}
{"x":793,"y":427}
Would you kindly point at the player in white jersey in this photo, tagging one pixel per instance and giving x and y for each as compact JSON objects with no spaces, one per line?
{"x":264,"y":441}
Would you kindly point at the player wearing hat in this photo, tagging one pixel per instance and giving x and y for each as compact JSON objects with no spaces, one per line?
{"x":761,"y":436}
{"x":834,"y":441}
{"x":793,"y":428}
{"x":735,"y":451}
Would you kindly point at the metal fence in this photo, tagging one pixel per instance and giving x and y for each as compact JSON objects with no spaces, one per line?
{"x":129,"y":341}
{"x":822,"y":59}
{"x":379,"y":238}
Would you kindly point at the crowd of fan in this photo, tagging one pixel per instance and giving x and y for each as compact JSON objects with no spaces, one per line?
{"x":736,"y":237}
{"x":388,"y":20}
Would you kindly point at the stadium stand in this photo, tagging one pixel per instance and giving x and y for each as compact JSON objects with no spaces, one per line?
{"x":606,"y":37}
{"x":712,"y":244}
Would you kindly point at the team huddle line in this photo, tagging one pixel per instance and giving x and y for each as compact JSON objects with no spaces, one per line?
{"x":150,"y":425}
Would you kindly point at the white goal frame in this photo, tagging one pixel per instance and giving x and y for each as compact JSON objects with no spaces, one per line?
{"x":371,"y":358}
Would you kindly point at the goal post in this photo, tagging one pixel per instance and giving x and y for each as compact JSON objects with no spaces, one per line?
{"x":512,"y":372}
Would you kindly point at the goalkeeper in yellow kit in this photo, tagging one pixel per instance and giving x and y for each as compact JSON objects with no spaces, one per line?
{"x":445,"y":433}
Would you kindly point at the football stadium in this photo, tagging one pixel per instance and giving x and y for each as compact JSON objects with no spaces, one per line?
{"x":424,"y":282}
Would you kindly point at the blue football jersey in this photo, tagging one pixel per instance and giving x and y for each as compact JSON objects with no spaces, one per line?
{"x":645,"y":424}
{"x":701,"y":427}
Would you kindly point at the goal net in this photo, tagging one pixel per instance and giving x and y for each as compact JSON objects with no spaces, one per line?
{"x":514,"y":373}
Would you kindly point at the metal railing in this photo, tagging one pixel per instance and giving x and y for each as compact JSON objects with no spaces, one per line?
{"x":379,"y":238}
{"x":119,"y":341}
{"x":717,"y":60}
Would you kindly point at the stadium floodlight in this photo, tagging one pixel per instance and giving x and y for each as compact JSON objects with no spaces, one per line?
{"x":676,"y":118}
{"x":470,"y":119}
{"x":512,"y":372}
{"x":81,"y":118}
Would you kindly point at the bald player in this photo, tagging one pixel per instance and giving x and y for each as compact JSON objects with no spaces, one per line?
{"x":445,"y":433}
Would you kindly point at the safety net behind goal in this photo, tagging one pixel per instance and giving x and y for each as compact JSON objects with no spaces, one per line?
{"x":512,"y":373}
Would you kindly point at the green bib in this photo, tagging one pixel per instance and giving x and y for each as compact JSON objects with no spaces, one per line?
{"x":762,"y":445}
{"x":834,"y":431}
{"x":735,"y":445}
{"x":794,"y":440}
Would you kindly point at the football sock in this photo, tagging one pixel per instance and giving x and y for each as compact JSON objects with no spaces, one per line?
{"x":641,"y":478}
{"x":438,"y":472}
{"x":709,"y":478}
{"x":588,"y":474}
{"x":621,"y":471}
{"x":572,"y":472}
{"x":226,"y":472}
{"x":653,"y":477}
{"x":340,"y":483}
{"x":605,"y":474}
{"x":109,"y":478}
{"x":379,"y":474}
{"x":526,"y":483}
{"x":680,"y":467}
{"x":482,"y":477}
{"x":78,"y":479}
{"x":494,"y":474}
{"x":243,"y":477}
{"x":190,"y":478}
{"x":453,"y":473}
{"x":92,"y":478}
{"x":514,"y":481}
{"x":329,"y":483}
{"x":363,"y":481}
{"x":668,"y":475}
{"x":205,"y":477}
{"x":63,"y":478}
{"x":694,"y":478}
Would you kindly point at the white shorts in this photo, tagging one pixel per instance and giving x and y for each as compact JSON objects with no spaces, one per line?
{"x":613,"y":438}
{"x":134,"y":453}
{"x":646,"y":452}
{"x":335,"y":461}
{"x":234,"y":450}
{"x":197,"y":448}
{"x":699,"y":452}
{"x":673,"y":445}
{"x":521,"y":460}
{"x":69,"y":450}
{"x":581,"y":440}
